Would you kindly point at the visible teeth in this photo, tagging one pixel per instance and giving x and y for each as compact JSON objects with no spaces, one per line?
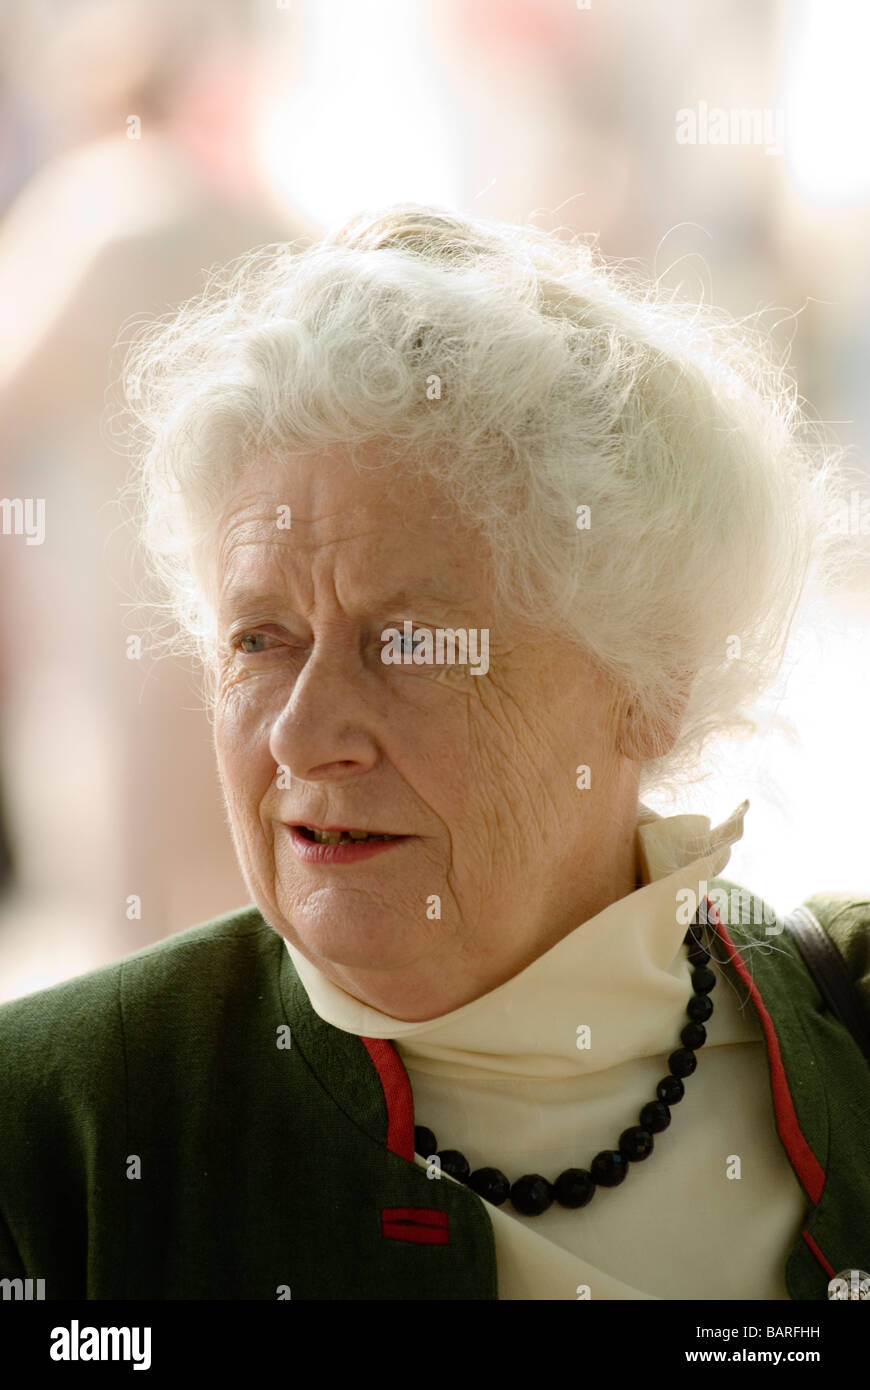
{"x":335,"y":837}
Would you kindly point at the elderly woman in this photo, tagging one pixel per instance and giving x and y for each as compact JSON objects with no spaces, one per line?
{"x":478,"y":540}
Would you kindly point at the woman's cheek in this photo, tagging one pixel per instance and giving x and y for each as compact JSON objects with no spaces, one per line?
{"x":242,"y":728}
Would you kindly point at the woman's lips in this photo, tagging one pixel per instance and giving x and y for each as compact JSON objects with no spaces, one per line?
{"x":348,"y":852}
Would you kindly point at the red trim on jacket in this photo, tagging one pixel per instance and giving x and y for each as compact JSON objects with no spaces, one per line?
{"x":423,"y":1225}
{"x":397,"y":1095}
{"x":806,"y":1165}
{"x":826,"y":1265}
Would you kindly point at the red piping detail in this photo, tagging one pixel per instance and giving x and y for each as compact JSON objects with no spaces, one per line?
{"x":828,"y":1268}
{"x":397,"y":1095}
{"x":807,"y":1166}
{"x":422,"y":1225}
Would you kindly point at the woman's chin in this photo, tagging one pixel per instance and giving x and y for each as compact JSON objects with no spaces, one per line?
{"x":359,"y":940}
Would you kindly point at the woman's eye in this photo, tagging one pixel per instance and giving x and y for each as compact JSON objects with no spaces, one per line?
{"x":247,"y":642}
{"x":423,"y":652}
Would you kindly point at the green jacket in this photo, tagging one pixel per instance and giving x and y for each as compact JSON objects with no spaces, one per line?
{"x":182,"y":1125}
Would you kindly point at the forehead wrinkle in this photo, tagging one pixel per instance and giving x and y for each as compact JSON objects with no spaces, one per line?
{"x":230,"y":549}
{"x":250,"y":591}
{"x":267,"y":521}
{"x":263,"y":531}
{"x":243,"y":590}
{"x":245,"y":532}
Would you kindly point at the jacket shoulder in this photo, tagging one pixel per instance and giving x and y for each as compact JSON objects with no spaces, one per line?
{"x":845,"y":917}
{"x":60,"y":1031}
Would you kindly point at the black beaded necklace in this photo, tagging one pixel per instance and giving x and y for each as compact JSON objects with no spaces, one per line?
{"x":533,"y":1194}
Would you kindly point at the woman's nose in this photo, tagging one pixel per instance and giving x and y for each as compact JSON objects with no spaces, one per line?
{"x":324,"y":724}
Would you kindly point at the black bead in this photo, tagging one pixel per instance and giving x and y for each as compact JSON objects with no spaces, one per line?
{"x":697,"y":954}
{"x":635,"y":1143}
{"x":609,"y":1168}
{"x":703,"y":980}
{"x":699,"y":1008}
{"x":490,"y":1184}
{"x":425,"y":1142}
{"x":656,"y":1116}
{"x":693,"y":1036}
{"x":454,"y":1164}
{"x":682,"y":1062}
{"x":670,"y":1090}
{"x":574,"y":1188}
{"x":531,"y":1194}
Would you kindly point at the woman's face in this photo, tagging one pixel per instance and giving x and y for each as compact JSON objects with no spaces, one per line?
{"x":500,"y":853}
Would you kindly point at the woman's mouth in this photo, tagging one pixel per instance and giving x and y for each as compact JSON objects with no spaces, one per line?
{"x":334,"y":846}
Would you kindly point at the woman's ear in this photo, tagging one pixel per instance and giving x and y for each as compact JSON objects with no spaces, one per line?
{"x":644,"y":735}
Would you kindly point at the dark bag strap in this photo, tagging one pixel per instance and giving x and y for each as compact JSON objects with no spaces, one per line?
{"x":828,"y":970}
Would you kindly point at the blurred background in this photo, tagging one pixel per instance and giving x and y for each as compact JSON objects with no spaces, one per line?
{"x":720,"y":144}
